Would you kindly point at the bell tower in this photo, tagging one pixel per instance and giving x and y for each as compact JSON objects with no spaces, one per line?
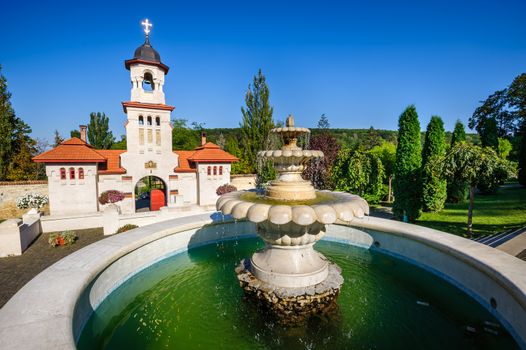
{"x":147,"y":72}
{"x":148,"y":125}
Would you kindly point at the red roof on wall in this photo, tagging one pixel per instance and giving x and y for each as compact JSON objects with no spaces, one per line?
{"x":208,"y":153}
{"x":113,"y":161}
{"x":211,"y":153}
{"x":184,"y":164}
{"x":73,"y":150}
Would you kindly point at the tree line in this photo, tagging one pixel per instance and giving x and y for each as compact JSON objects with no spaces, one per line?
{"x":419,"y":170}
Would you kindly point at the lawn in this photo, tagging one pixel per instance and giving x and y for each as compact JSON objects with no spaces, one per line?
{"x":492,"y":213}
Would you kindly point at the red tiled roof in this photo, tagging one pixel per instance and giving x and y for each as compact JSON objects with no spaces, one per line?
{"x":210,"y":152}
{"x":160,"y":106}
{"x":184,"y":164}
{"x":73,"y":150}
{"x":113,"y":162}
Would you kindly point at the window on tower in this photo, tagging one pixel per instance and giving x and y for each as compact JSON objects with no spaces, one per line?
{"x":220,"y":170}
{"x":147,"y":82}
{"x":157,"y":121}
{"x":209,"y":171}
{"x":149,"y":121}
{"x":141,"y":120}
{"x":62,"y":173}
{"x":72,"y":173}
{"x":81,"y":174}
{"x":215,"y":170}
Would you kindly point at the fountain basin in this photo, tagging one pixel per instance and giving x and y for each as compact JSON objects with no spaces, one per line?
{"x":50,"y":311}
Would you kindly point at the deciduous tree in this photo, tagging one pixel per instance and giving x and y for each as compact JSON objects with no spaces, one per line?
{"x":319,"y":171}
{"x":185,"y":137}
{"x":522,"y":155}
{"x":473,"y":165}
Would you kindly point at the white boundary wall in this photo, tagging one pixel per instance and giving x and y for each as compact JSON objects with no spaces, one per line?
{"x":33,"y":318}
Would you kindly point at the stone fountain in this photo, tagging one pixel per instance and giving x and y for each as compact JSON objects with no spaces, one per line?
{"x":288,"y":275}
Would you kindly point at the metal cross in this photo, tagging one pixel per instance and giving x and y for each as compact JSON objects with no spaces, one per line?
{"x":147,"y":25}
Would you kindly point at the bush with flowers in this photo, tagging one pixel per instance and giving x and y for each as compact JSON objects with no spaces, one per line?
{"x":62,"y":238}
{"x":31,"y":200}
{"x":111,"y":196}
{"x":225,"y":189}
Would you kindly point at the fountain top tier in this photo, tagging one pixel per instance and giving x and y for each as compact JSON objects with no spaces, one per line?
{"x":290,"y":162}
{"x":290,"y":134}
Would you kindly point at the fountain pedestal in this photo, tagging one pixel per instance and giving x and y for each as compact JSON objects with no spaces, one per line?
{"x":288,"y":276}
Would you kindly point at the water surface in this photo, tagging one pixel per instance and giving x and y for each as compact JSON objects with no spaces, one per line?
{"x":193,"y":301}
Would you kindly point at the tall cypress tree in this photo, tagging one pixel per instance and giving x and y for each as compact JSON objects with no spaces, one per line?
{"x":433,"y":186}
{"x":7,"y":125}
{"x":407,"y":182}
{"x":459,"y":134}
{"x":457,"y":189}
{"x":257,"y":121}
{"x":99,"y":134}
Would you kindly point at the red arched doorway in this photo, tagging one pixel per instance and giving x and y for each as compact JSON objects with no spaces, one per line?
{"x":150,"y":194}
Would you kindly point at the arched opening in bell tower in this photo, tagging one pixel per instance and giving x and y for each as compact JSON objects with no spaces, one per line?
{"x":150,"y":194}
{"x":147,"y":82}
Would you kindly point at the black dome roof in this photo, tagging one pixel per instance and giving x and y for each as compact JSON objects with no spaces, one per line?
{"x":147,"y":53}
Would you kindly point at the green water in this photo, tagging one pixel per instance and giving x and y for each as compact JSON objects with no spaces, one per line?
{"x":192,"y":301}
{"x":253,"y":197}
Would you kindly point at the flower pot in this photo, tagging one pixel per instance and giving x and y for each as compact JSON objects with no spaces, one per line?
{"x":60,"y":241}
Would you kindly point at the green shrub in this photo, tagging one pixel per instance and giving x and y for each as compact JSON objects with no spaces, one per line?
{"x":359,"y":173}
{"x":126,"y":227}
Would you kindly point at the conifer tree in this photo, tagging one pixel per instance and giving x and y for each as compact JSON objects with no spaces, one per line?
{"x":488,"y":134}
{"x":256,"y":125}
{"x":457,"y":189}
{"x":433,"y":186}
{"x":57,"y":138}
{"x":459,"y":134}
{"x":99,"y":134}
{"x":407,"y":182}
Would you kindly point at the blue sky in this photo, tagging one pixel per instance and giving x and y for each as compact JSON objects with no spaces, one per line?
{"x":360,"y":63}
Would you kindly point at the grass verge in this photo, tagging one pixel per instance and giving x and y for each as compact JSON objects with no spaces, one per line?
{"x":492,"y":213}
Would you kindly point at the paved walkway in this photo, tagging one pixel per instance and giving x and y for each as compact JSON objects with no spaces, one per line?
{"x":498,"y":239}
{"x":15,"y":271}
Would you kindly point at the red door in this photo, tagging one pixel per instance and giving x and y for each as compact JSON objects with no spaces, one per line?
{"x":156,"y":200}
